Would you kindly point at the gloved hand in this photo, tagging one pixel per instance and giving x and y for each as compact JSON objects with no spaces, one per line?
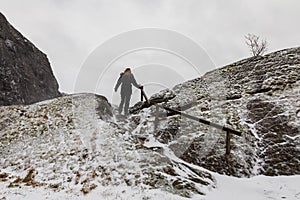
{"x":141,"y":86}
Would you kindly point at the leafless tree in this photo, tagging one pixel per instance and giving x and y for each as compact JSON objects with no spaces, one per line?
{"x":257,"y":45}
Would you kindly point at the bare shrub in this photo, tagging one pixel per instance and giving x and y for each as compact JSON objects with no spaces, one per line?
{"x":257,"y":45}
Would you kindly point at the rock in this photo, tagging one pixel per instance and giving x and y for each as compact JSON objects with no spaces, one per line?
{"x":279,"y":152}
{"x":25,"y":73}
{"x":138,"y":107}
{"x":87,"y":188}
{"x":162,"y":96}
{"x":258,"y":96}
{"x":3,"y":177}
{"x":29,"y":177}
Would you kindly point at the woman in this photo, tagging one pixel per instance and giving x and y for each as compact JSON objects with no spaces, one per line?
{"x":126,"y":79}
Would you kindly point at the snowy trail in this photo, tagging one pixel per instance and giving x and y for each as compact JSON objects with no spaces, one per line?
{"x":258,"y":188}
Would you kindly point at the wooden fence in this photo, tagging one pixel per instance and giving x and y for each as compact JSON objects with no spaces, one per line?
{"x":228,"y":130}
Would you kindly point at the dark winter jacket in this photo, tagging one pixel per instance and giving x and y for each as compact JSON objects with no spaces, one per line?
{"x":126,"y":80}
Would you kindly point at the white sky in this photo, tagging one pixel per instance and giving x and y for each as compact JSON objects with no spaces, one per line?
{"x":68,"y":31}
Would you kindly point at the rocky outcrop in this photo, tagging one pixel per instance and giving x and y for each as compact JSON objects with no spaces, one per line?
{"x":258,"y":96}
{"x":25,"y":73}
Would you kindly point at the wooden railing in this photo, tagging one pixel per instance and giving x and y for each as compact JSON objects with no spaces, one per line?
{"x":228,"y":130}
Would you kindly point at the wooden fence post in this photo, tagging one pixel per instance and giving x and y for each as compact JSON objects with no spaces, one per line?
{"x":156,"y":117}
{"x":227,"y":145}
{"x":142,"y":96}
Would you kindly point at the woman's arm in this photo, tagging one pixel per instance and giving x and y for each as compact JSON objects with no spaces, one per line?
{"x":133,"y":81}
{"x":118,"y":83}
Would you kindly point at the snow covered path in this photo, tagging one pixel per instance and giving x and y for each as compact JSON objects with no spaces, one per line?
{"x":256,"y":188}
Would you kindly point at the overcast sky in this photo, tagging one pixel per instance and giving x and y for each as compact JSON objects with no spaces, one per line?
{"x":68,"y":31}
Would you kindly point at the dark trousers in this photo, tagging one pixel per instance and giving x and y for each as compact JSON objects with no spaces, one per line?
{"x":125,"y":98}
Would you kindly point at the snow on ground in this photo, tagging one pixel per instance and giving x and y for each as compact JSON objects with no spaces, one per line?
{"x":110,"y":148}
{"x":256,"y":188}
{"x":101,"y":193}
{"x":228,"y":188}
{"x":66,"y":152}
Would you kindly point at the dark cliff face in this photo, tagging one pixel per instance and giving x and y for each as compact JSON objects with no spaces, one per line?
{"x":25,"y":72}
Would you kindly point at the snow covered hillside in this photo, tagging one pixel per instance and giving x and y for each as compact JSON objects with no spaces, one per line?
{"x":74,"y":147}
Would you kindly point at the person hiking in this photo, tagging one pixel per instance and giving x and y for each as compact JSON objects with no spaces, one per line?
{"x":126,"y":79}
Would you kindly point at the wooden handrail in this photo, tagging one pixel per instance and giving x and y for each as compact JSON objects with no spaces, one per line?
{"x":144,"y":94}
{"x":215,"y":125}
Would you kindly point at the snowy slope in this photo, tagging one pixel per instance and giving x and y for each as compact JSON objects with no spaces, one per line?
{"x":76,"y":155}
{"x":73,"y":146}
{"x":229,"y":188}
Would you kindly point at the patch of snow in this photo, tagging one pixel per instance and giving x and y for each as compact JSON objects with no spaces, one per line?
{"x":258,"y":188}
